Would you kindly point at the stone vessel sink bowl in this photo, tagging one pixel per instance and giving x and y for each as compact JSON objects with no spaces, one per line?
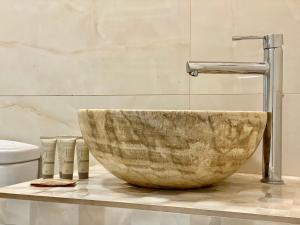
{"x":171,"y":149}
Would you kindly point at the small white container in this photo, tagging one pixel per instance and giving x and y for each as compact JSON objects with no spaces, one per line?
{"x":66,"y":151}
{"x":48,"y":156}
{"x":82,"y":159}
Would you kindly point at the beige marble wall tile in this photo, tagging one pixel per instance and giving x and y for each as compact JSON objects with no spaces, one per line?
{"x":291,"y":134}
{"x":214,"y":22}
{"x":92,"y":215}
{"x":14,"y":212}
{"x":253,"y":102}
{"x":97,"y":215}
{"x":48,"y":213}
{"x":27,"y":118}
{"x":94,"y":47}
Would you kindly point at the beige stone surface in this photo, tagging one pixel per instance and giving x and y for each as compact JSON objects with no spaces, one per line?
{"x":250,"y":102}
{"x":171,"y":149}
{"x":52,"y":48}
{"x":241,"y":196}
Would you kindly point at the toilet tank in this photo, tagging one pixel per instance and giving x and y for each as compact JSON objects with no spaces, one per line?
{"x":19,"y":162}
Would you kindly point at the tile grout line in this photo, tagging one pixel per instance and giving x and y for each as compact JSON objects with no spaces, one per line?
{"x":120,"y":95}
{"x":141,"y":95}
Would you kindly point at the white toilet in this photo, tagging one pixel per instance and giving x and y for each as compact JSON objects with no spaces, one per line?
{"x":19,"y":162}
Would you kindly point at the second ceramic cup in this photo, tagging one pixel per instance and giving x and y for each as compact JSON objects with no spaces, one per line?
{"x":66,"y":150}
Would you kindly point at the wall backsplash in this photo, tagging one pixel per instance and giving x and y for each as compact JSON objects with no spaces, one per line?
{"x":59,"y":56}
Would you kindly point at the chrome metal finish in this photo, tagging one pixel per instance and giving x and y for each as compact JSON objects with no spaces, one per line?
{"x":272,"y":69}
{"x":272,"y":142}
{"x":273,"y":41}
{"x":227,"y":67}
{"x":239,"y":38}
{"x":269,"y":41}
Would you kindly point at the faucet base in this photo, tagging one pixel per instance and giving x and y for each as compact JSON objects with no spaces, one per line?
{"x":267,"y":181}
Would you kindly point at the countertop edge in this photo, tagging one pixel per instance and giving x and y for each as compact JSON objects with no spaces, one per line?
{"x":149,"y":207}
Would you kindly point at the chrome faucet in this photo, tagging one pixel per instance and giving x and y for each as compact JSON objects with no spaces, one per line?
{"x":271,"y":69}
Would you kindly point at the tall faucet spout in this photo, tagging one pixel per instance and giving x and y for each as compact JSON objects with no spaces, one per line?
{"x":272,"y":70}
{"x":195,"y":67}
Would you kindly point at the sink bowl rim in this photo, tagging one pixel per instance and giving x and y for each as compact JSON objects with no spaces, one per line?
{"x":172,"y":110}
{"x":112,"y":162}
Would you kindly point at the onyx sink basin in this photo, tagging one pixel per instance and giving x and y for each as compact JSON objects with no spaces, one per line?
{"x":171,"y":148}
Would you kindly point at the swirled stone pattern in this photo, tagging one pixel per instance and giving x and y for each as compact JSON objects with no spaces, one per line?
{"x":171,"y":149}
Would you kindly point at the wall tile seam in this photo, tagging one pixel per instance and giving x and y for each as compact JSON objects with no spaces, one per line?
{"x":142,"y":95}
{"x":138,"y":95}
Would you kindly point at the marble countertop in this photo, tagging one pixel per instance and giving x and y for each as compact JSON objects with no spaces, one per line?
{"x":240,"y":196}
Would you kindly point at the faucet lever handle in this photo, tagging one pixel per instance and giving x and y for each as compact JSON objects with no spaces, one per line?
{"x":251,"y":37}
{"x":269,"y":41}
